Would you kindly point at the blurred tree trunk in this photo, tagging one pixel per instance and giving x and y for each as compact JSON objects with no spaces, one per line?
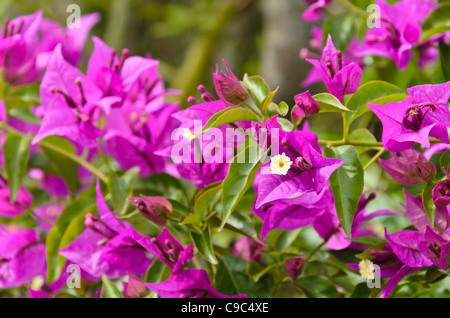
{"x":284,"y":34}
{"x":119,"y":14}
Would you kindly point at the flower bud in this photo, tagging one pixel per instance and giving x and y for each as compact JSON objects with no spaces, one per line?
{"x":134,"y":288}
{"x":295,"y":267}
{"x":306,"y":106}
{"x":247,"y":249}
{"x":228,"y":88}
{"x":441,"y":194}
{"x":409,"y":167}
{"x":427,"y":171}
{"x":89,"y":221}
{"x":18,"y":207}
{"x":153,"y":208}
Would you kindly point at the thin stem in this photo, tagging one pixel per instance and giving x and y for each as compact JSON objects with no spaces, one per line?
{"x":345,"y":128}
{"x":91,"y":168}
{"x":435,"y":141}
{"x":105,"y":159}
{"x":255,"y":110}
{"x":442,"y":231}
{"x":378,"y":155}
{"x":297,"y":124}
{"x":325,"y":241}
{"x":130,"y":215}
{"x":354,"y":9}
{"x":336,"y":143}
{"x":31,"y":211}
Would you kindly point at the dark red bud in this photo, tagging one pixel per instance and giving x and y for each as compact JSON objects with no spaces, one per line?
{"x":295,"y":267}
{"x":156,"y":209}
{"x":441,"y":194}
{"x":306,"y":106}
{"x":228,"y":87}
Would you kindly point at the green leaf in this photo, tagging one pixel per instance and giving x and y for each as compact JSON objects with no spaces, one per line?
{"x":246,"y":202}
{"x":380,"y":101}
{"x":343,"y":28}
{"x":437,"y":29}
{"x":272,"y":109}
{"x":154,"y":272}
{"x":286,"y":239}
{"x":347,"y":184}
{"x":373,"y":92}
{"x":362,"y":134}
{"x":427,"y":199}
{"x":59,"y":164}
{"x":225,"y":279}
{"x":367,"y":253}
{"x":255,"y":270}
{"x":23,"y":97}
{"x":436,"y":22}
{"x":121,"y":188}
{"x":231,"y":279}
{"x":434,"y":275}
{"x":179,"y":207}
{"x":361,"y":291}
{"x":203,"y":243}
{"x":267,"y":101}
{"x":239,"y":179}
{"x":286,"y":124}
{"x":238,"y":223}
{"x":367,"y":240}
{"x":317,"y":287}
{"x":20,"y":102}
{"x":241,"y":223}
{"x":71,"y":211}
{"x":444,"y":54}
{"x":329,"y":104}
{"x":284,"y":108}
{"x":109,"y":290}
{"x":73,"y":230}
{"x":315,"y":268}
{"x":24,"y":114}
{"x":204,"y":198}
{"x":203,"y":201}
{"x":444,"y":161}
{"x":258,"y":88}
{"x":15,"y":151}
{"x":229,"y":115}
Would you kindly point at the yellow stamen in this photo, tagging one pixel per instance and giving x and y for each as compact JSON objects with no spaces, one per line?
{"x":280,"y":164}
{"x":366,"y":269}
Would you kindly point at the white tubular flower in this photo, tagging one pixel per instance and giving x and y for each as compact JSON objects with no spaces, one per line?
{"x":366,"y":269}
{"x":280,"y":164}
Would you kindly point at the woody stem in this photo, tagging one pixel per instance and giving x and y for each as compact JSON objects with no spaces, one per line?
{"x":374,"y":158}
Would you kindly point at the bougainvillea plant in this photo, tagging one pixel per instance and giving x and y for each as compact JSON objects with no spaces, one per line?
{"x":108,"y":188}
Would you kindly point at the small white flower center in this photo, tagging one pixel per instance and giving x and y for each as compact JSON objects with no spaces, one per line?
{"x":280,"y":164}
{"x":188,"y":134}
{"x":366,"y":269}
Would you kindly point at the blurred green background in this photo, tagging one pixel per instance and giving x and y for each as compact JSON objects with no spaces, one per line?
{"x":190,"y":37}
